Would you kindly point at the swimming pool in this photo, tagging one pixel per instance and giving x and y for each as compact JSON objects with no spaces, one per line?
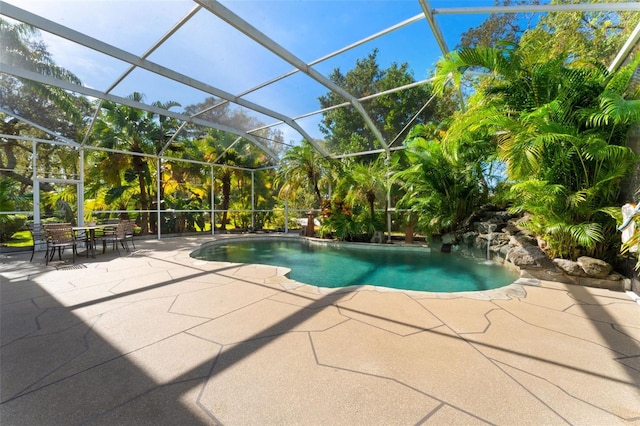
{"x":339,"y":265}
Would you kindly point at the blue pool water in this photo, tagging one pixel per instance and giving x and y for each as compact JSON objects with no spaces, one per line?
{"x":325,"y":265}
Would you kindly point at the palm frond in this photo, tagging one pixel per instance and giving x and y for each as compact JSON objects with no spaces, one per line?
{"x":615,"y":109}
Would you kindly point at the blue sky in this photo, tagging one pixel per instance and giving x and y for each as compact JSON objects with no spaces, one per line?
{"x":208,"y":50}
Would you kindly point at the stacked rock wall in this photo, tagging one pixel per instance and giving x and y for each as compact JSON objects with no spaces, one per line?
{"x":497,"y":233}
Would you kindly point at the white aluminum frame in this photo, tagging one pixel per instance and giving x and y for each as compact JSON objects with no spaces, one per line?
{"x":250,"y":31}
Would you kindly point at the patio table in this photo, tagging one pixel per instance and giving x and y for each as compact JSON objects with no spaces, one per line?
{"x":91,"y":229}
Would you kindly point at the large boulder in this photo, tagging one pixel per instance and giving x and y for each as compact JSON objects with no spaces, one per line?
{"x":449,"y":239}
{"x":594,"y":268}
{"x":511,"y":228}
{"x":520,"y":257}
{"x":570,"y":267}
{"x":469,"y":238}
{"x":500,"y":239}
{"x":518,"y":247}
{"x":526,"y":253}
{"x":486,"y":227}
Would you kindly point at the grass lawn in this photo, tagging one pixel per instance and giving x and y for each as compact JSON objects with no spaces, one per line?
{"x":19,"y":239}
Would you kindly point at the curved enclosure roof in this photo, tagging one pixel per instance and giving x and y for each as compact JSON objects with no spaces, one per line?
{"x":269,"y":60}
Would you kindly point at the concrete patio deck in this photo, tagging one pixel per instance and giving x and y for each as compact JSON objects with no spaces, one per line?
{"x":158,"y":338}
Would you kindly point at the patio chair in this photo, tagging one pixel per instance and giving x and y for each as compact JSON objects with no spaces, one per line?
{"x":115,"y":236}
{"x":83,"y":237}
{"x":39,"y":237}
{"x":60,"y":237}
{"x":129,"y":231}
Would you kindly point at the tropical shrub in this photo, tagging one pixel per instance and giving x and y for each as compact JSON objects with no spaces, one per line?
{"x":10,"y":224}
{"x":560,"y":126}
{"x":347,"y":223}
{"x":439,"y":191}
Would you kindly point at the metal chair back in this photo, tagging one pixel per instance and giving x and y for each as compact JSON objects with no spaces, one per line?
{"x":60,"y":236}
{"x":39,"y":237}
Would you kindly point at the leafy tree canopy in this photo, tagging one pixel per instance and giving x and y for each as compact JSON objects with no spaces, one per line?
{"x":54,"y":109}
{"x":590,"y":36}
{"x":345,"y":129}
{"x":499,"y":27}
{"x":218,"y":111}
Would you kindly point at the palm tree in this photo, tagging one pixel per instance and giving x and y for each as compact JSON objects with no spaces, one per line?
{"x":229,"y":155}
{"x":302,"y":166}
{"x":440,"y":192}
{"x":231,"y":158}
{"x":134,"y":130}
{"x":367,"y":182}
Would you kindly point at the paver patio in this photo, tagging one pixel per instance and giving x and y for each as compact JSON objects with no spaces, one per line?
{"x":157,"y":337}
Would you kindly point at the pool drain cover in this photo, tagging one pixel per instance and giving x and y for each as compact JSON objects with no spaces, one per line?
{"x":71,"y":267}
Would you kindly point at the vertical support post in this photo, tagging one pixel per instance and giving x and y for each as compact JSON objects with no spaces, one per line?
{"x":158,"y":183}
{"x":80,"y":189}
{"x":36,"y":183}
{"x":253,"y":203}
{"x":389,"y":215}
{"x":388,"y":164}
{"x":213,"y":203}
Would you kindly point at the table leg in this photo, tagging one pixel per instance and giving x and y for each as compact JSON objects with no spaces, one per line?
{"x":92,"y":236}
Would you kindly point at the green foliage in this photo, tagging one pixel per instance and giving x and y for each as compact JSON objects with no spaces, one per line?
{"x":53,"y":108}
{"x":346,"y":222}
{"x":498,"y":27}
{"x":560,"y":127}
{"x":114,"y":193}
{"x":21,"y":46}
{"x":345,"y":128}
{"x":62,"y":202}
{"x":590,"y":36}
{"x":10,"y":224}
{"x":559,"y":217}
{"x":214,"y":110}
{"x":439,"y":191}
{"x":364,"y":183}
{"x":134,"y":130}
{"x":8,"y":193}
{"x":301,"y":167}
{"x":232,"y":179}
{"x":183,"y":221}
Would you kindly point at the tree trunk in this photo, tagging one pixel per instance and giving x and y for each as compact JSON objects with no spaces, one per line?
{"x":317,"y":192}
{"x":144,"y":198}
{"x":371,"y":198}
{"x":226,"y":198}
{"x":144,"y":203}
{"x":12,"y":161}
{"x":408,"y":230}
